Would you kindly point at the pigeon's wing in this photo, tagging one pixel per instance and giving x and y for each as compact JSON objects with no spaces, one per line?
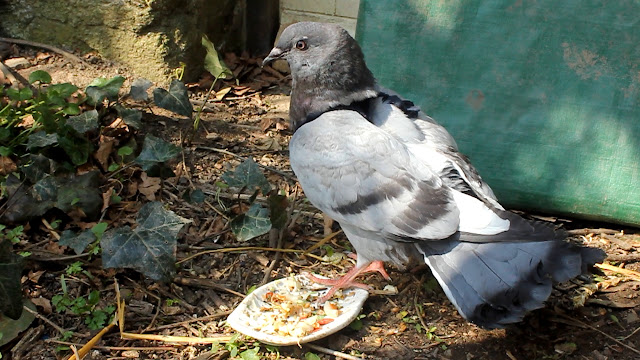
{"x":424,"y":136}
{"x":361,"y":175}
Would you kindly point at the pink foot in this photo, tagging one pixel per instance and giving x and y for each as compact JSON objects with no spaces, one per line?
{"x":348,"y":280}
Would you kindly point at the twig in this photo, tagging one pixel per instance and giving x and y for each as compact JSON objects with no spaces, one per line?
{"x":588,"y":231}
{"x":585,"y":325}
{"x":204,"y":283}
{"x":51,"y":323}
{"x":203,"y":318}
{"x":332,"y":352}
{"x":116,"y":348}
{"x":8,"y":74}
{"x":323,"y":241}
{"x":630,"y":335}
{"x":630,"y":273}
{"x":274,"y":262}
{"x":624,"y":257}
{"x":226,"y":152}
{"x":247,"y":248}
{"x":46,"y":47}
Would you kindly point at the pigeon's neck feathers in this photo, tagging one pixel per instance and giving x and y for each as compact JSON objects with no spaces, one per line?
{"x":341,"y":79}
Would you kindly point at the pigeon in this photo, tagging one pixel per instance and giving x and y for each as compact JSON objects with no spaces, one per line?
{"x":401,"y":191}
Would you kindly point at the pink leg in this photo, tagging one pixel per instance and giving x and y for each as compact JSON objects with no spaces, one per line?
{"x":347,"y":280}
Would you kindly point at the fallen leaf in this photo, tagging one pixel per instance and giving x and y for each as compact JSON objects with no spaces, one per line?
{"x":53,"y":247}
{"x":266,"y":123}
{"x":268,"y":143}
{"x":149,"y":186}
{"x":106,"y":199}
{"x":44,"y":303}
{"x":27,"y":121}
{"x":34,"y":276}
{"x":103,"y":152}
{"x":7,"y":166}
{"x":222,"y":92}
{"x":241,"y":90}
{"x":282,"y":125}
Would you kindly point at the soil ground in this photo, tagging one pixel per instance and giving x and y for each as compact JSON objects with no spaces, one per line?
{"x":251,"y":121}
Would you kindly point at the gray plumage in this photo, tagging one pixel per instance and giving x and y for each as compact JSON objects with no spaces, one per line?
{"x":394,"y":180}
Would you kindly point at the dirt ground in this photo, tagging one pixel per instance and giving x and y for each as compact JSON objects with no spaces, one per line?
{"x":253,"y":123}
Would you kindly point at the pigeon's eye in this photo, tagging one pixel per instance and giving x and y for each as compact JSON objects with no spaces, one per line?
{"x":302,"y":45}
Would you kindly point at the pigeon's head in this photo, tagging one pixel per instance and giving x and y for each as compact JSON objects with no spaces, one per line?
{"x":322,"y":53}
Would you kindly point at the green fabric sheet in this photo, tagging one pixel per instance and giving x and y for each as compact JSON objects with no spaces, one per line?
{"x":543,"y":96}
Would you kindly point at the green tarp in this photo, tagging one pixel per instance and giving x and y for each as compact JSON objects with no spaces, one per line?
{"x":544,"y":96}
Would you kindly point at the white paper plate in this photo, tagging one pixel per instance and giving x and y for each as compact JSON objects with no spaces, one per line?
{"x":241,"y":320}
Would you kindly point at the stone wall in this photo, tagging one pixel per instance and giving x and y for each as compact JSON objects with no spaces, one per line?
{"x":151,"y":37}
{"x":342,"y":12}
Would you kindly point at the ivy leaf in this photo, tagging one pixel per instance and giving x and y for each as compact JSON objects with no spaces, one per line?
{"x":155,"y":151}
{"x":247,"y":175}
{"x":77,"y":148}
{"x":131,"y":117}
{"x":41,"y":139}
{"x":102,"y":88}
{"x":37,"y":166}
{"x":85,"y":122}
{"x":59,"y":92}
{"x":149,"y":248}
{"x":40,"y":75}
{"x":212,"y":62}
{"x":176,"y":99}
{"x":78,"y":242}
{"x":311,"y":356}
{"x":139,"y":89}
{"x":13,"y":329}
{"x":10,"y":288}
{"x":195,"y":196}
{"x":64,"y":193}
{"x":254,"y":223}
{"x":251,"y":354}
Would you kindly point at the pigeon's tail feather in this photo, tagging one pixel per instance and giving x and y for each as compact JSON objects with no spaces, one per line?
{"x":495,"y":284}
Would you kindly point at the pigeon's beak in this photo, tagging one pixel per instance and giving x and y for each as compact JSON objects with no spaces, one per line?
{"x":276,"y":53}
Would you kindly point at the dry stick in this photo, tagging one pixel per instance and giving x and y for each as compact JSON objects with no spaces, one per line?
{"x":51,"y":323}
{"x":630,"y":335}
{"x":155,"y":316}
{"x":247,"y":248}
{"x":630,"y":273}
{"x":116,"y":348}
{"x":226,"y":152}
{"x":46,"y":47}
{"x":8,"y":73}
{"x":205,"y":283}
{"x":203,"y":318}
{"x":332,"y":352}
{"x":576,"y":321}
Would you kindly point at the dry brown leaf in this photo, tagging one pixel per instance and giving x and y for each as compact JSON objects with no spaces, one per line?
{"x":27,"y":121}
{"x":106,"y":198}
{"x":103,"y":152}
{"x":44,"y":303}
{"x":34,"y":276}
{"x":149,"y":186}
{"x":241,"y":90}
{"x":7,"y":166}
{"x":53,"y":247}
{"x":268,"y":144}
{"x":132,"y":188}
{"x":222,"y":92}
{"x":266,"y":123}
